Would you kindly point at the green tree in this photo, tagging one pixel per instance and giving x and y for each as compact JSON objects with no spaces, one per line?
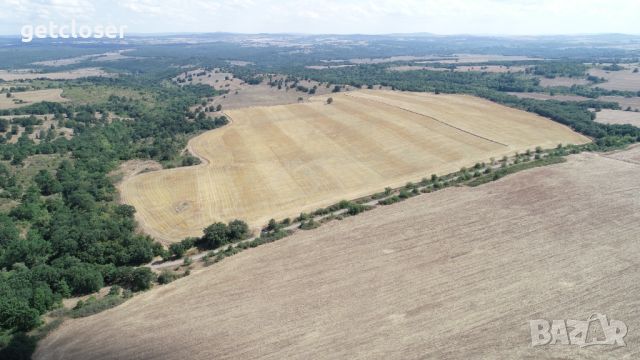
{"x":83,"y":279}
{"x":238,"y":230}
{"x":47,"y":183}
{"x":17,"y":314}
{"x":215,"y":235}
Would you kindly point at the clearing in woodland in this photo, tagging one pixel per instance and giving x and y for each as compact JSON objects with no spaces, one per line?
{"x":278,"y":161}
{"x":454,"y":274}
{"x":24,"y":98}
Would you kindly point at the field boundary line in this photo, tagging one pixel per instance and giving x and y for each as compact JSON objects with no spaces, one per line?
{"x":433,"y":118}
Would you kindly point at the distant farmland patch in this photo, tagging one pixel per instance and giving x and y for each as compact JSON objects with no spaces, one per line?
{"x":19,"y":99}
{"x":606,"y":116}
{"x":624,"y":79}
{"x":62,"y":75}
{"x":563,"y":81}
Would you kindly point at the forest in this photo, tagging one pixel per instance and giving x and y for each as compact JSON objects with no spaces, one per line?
{"x":68,"y":236}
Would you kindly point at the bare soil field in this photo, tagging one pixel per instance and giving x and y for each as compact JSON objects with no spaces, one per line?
{"x":562,"y":81}
{"x":25,"y":98}
{"x":479,"y":58}
{"x":275,"y":162}
{"x":477,"y":68}
{"x":625,"y":102}
{"x":618,"y":80}
{"x":63,"y":75}
{"x":108,"y":56}
{"x":446,"y":59}
{"x":455,"y":274}
{"x":543,"y":96}
{"x":325,"y":67}
{"x":607,"y":116}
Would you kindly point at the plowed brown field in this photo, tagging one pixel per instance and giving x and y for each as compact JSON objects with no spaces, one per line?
{"x":455,"y":274}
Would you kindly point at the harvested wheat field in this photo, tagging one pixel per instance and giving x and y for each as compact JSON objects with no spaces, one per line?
{"x":19,"y":99}
{"x":562,"y":81}
{"x":624,"y":102}
{"x":275,"y":162}
{"x":63,"y":75}
{"x":455,"y":274}
{"x":618,"y":80}
{"x":607,"y":116}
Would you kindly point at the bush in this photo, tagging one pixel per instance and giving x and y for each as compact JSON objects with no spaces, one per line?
{"x":84,"y":279}
{"x":93,"y":306}
{"x":238,"y":230}
{"x":308,"y":225}
{"x":177,"y":250}
{"x":135,"y":279}
{"x":166,"y":276}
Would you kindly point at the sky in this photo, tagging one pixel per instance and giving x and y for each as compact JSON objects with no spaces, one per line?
{"x":477,"y":17}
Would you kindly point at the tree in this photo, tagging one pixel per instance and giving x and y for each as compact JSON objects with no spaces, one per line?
{"x":84,"y":279}
{"x":238,"y":230}
{"x":329,"y":101}
{"x":47,"y":183}
{"x":8,"y":230}
{"x":272,"y":225}
{"x":215,"y":235}
{"x":8,"y":95}
{"x":219,"y":107}
{"x":177,"y":250}
{"x":17,"y":314}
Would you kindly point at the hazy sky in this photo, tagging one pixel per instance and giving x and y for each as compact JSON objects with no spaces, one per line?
{"x":333,"y":16}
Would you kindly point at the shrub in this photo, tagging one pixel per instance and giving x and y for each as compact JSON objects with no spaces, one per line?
{"x":177,"y":250}
{"x":311,"y":224}
{"x":166,"y":276}
{"x":135,"y":279}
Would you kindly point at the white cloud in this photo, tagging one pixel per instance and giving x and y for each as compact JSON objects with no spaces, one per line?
{"x":340,"y":16}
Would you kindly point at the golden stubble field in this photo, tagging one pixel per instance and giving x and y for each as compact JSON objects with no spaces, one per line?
{"x":62,"y":75}
{"x":607,"y":116}
{"x":455,"y":274}
{"x":278,"y":161}
{"x":30,"y":97}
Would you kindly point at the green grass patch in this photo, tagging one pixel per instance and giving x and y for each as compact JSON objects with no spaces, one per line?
{"x":99,"y":94}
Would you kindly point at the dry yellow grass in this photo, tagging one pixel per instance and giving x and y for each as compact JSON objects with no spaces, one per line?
{"x":30,"y":97}
{"x":275,"y":162}
{"x":62,"y":75}
{"x":618,"y":80}
{"x":607,"y":116}
{"x":455,"y":274}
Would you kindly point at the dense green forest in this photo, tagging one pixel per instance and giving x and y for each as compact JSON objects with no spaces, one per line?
{"x":67,"y":236}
